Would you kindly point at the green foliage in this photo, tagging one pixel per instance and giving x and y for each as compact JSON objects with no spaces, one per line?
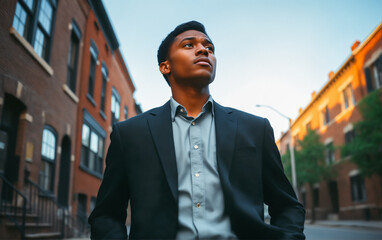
{"x":366,"y":148}
{"x":285,"y":159}
{"x":310,"y":160}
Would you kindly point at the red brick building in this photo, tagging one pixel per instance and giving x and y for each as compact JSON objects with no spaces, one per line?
{"x":106,"y":96}
{"x":60,"y":70}
{"x":332,"y":112}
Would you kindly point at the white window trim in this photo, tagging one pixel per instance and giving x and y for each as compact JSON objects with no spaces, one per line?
{"x":349,"y":127}
{"x":353,"y":173}
{"x":31,"y":51}
{"x":328,"y":140}
{"x":373,"y":57}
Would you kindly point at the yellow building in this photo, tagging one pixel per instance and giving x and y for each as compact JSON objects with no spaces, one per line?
{"x":332,"y":112}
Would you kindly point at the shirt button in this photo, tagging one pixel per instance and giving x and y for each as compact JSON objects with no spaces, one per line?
{"x":193,"y":123}
{"x":196,"y":174}
{"x":196,"y":147}
{"x":198,"y":205}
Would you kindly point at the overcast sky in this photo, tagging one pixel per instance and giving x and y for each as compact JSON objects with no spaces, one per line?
{"x":270,"y":52}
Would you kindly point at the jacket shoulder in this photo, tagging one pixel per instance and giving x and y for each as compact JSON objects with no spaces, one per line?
{"x":138,"y":120}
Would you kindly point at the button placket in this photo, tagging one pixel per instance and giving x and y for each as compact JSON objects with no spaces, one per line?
{"x":196,"y":169}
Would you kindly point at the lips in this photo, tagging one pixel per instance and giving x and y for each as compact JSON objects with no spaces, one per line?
{"x":204,"y":61}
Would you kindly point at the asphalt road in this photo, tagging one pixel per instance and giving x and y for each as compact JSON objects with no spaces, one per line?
{"x":338,"y":233}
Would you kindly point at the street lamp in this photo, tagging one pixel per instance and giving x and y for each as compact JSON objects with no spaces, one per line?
{"x":291,"y":149}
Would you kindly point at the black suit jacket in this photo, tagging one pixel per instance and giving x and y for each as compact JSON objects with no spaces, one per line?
{"x":141,"y":167}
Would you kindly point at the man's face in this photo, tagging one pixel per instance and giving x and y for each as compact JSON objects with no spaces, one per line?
{"x":191,"y":59}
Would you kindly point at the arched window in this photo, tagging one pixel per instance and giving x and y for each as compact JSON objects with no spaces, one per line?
{"x":48,"y":159}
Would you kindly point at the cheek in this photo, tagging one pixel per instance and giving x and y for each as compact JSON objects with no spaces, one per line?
{"x":180,"y":63}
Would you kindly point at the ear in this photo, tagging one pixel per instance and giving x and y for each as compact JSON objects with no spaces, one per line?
{"x":164,"y":67}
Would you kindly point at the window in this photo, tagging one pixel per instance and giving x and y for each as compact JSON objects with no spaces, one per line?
{"x":105,"y":74}
{"x":93,"y":63}
{"x":329,"y":153}
{"x":358,"y":191}
{"x":73,"y":57}
{"x":48,"y":153}
{"x":92,"y":147}
{"x":316,"y":196}
{"x":348,"y":96}
{"x":373,"y":75}
{"x":115,"y":106}
{"x":308,"y":126}
{"x":33,"y":20}
{"x":126,"y":112}
{"x":325,"y":115}
{"x":349,"y":136}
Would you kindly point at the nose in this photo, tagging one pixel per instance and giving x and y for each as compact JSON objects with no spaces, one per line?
{"x":201,"y":50}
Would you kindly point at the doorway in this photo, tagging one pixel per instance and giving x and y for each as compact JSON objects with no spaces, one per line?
{"x":333,"y":193}
{"x":63,"y":184}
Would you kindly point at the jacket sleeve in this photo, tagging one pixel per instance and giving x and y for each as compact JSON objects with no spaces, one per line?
{"x":109,"y":215}
{"x":286,"y":212}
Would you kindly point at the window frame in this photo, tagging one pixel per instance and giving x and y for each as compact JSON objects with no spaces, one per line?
{"x":329,"y":153}
{"x":357,"y":188}
{"x":51,"y":162}
{"x":348,"y":97}
{"x":105,"y":78}
{"x":325,"y":115}
{"x":85,"y":164}
{"x":71,"y":79}
{"x":117,"y":98}
{"x":92,"y":70}
{"x":371,"y":82}
{"x":33,"y":24}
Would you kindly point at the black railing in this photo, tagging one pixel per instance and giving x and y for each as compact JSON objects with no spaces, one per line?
{"x":44,"y":205}
{"x":47,"y":208}
{"x":13,"y":204}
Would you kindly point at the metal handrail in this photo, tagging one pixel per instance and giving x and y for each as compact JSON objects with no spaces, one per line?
{"x":9,"y":199}
{"x":49,"y":210}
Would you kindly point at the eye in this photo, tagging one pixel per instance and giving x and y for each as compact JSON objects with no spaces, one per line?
{"x":210,"y":48}
{"x":188,"y":45}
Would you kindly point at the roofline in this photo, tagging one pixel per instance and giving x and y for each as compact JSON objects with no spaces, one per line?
{"x":125,"y":70}
{"x":333,"y":78}
{"x":106,"y":26}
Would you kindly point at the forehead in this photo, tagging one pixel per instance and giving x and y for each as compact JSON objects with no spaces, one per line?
{"x":190,"y":34}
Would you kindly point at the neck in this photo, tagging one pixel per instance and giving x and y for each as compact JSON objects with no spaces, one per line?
{"x":192,"y":99}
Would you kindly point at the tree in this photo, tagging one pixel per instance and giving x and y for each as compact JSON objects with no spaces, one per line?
{"x":366,"y":148}
{"x":310,"y":163}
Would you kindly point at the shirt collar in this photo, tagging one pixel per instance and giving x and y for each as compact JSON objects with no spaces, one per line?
{"x":177,"y":107}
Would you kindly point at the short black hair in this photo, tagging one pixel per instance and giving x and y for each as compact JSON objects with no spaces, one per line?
{"x":166,"y":43}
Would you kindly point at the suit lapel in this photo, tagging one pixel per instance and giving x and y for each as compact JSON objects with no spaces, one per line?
{"x":225,"y":126}
{"x":160,"y":125}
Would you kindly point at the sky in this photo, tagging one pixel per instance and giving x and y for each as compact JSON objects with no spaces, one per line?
{"x":270,"y":52}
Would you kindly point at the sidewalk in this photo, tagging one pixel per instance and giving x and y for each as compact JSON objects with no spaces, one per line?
{"x":371,"y":225}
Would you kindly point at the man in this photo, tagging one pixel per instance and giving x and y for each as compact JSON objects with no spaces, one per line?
{"x":192,"y":168}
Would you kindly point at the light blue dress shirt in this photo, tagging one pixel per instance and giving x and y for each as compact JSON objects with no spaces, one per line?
{"x":201,"y":201}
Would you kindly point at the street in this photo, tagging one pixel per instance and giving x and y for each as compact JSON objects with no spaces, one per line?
{"x":337,"y":233}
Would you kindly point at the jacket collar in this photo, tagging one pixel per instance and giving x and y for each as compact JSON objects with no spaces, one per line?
{"x":161,"y":130}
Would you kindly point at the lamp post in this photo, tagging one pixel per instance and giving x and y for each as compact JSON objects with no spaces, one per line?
{"x":291,"y":149}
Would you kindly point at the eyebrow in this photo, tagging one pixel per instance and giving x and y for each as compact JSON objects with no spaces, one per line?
{"x":193,"y":38}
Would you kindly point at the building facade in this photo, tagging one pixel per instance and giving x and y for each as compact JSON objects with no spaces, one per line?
{"x":63,"y":83}
{"x":106,"y":96}
{"x":332,"y":112}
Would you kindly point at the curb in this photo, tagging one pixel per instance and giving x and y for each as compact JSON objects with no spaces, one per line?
{"x":346,"y":226}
